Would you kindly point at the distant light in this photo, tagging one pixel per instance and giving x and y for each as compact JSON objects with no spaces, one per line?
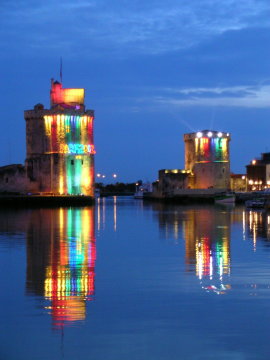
{"x":219,"y":134}
{"x":114,"y":175}
{"x":199,"y":134}
{"x":228,"y":134}
{"x":210,"y":134}
{"x":103,"y":176}
{"x":243,"y":177}
{"x":268,"y":182}
{"x":250,"y":182}
{"x":253,"y":162}
{"x":98,"y":175}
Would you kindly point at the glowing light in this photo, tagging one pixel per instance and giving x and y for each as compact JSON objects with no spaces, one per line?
{"x":253,"y":162}
{"x":73,"y":96}
{"x":61,"y":185}
{"x":72,"y":137}
{"x":211,"y":149}
{"x":114,"y":175}
{"x":219,"y":134}
{"x":77,"y":149}
{"x":66,"y":96}
{"x":199,"y":134}
{"x":243,"y":177}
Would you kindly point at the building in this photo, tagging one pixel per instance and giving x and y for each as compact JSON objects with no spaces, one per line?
{"x":238,"y":182}
{"x":59,"y":148}
{"x":207,"y":167}
{"x":258,"y":173}
{"x":207,"y":157}
{"x":170,"y":180}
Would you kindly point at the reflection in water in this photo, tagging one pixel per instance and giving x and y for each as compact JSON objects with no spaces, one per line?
{"x":61,"y":253}
{"x":206,"y":232}
{"x":101,"y":212}
{"x":258,"y":224}
{"x":207,"y":238}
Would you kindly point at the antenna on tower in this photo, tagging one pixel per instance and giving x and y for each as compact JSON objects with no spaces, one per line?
{"x":61,"y":65}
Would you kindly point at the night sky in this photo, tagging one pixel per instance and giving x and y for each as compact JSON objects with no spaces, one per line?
{"x":153,"y":70}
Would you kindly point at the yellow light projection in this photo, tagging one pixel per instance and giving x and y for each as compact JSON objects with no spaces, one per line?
{"x":68,"y":97}
{"x":71,"y":96}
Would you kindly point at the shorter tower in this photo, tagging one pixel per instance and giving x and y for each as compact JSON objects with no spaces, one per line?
{"x":207,"y":157}
{"x":60,"y":146}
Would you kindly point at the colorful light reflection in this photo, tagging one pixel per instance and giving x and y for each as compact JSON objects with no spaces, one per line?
{"x":208,"y":248}
{"x":70,"y":274}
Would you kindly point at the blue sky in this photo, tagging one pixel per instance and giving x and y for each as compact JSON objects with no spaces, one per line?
{"x":152,"y":71}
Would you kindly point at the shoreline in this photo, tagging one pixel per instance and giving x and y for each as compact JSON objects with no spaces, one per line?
{"x":12,"y":200}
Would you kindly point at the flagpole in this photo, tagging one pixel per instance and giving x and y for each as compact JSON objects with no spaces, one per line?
{"x":61,"y":75}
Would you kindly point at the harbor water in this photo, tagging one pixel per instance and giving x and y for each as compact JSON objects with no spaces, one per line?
{"x":127,"y":279}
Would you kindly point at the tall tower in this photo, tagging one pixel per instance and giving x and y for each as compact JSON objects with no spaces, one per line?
{"x":207,"y":156}
{"x":60,"y":146}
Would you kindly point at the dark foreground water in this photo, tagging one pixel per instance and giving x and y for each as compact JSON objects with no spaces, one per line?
{"x":125,"y":280}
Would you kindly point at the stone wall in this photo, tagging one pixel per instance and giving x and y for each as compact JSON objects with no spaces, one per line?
{"x":212,"y":175}
{"x":13,"y":179}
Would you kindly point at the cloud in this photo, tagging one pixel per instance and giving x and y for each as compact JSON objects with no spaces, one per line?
{"x":234,"y":96}
{"x":124,"y":26}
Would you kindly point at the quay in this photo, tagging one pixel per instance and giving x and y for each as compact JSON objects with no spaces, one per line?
{"x":198,"y":196}
{"x":12,"y":200}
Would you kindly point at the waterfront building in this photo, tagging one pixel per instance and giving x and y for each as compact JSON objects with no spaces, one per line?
{"x":59,"y":148}
{"x":207,"y":167}
{"x":170,"y":180}
{"x":207,"y":157}
{"x":238,"y":182}
{"x":258,"y":173}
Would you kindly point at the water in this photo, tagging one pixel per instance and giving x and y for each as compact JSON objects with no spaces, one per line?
{"x":133,"y":280}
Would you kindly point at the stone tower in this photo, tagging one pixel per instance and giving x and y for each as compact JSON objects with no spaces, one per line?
{"x":207,"y":156}
{"x":60,"y":146}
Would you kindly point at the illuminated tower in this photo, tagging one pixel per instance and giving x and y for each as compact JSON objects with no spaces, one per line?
{"x":207,"y":156}
{"x":60,"y":147}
